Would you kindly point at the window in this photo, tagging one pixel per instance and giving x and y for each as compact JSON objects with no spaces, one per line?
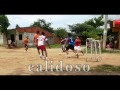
{"x":20,"y":36}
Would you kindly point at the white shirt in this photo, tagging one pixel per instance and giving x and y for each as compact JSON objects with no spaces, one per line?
{"x":41,"y":40}
{"x":9,"y":41}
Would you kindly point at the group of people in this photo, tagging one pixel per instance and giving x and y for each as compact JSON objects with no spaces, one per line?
{"x":39,"y":41}
{"x":112,"y":42}
{"x":74,"y":45}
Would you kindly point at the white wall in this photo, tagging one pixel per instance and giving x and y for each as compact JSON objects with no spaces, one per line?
{"x":1,"y":39}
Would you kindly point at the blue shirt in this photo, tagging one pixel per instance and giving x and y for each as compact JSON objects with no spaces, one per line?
{"x":70,"y":41}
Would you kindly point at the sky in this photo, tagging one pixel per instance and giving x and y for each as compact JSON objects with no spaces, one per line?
{"x":56,"y":20}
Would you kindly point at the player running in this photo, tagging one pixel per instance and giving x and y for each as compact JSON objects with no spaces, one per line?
{"x":41,"y":45}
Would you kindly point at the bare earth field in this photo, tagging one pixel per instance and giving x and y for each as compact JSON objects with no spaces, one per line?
{"x":16,"y":62}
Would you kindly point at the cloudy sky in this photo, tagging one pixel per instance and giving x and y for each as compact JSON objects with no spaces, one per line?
{"x":56,"y":20}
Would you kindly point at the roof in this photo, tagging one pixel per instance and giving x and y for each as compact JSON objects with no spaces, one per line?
{"x":33,"y":30}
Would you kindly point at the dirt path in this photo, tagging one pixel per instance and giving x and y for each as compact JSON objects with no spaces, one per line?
{"x":16,"y":62}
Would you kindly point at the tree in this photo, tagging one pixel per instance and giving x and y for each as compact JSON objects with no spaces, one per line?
{"x":60,"y":32}
{"x":88,"y":29}
{"x":4,"y":23}
{"x":17,"y":26}
{"x":96,"y":22}
{"x":43,"y":24}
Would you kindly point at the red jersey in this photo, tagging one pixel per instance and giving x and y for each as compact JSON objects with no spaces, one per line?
{"x":77,"y":42}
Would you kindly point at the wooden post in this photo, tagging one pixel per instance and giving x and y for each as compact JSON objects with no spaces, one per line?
{"x":119,"y":40}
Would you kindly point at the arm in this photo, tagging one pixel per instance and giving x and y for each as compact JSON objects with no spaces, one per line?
{"x":48,"y":43}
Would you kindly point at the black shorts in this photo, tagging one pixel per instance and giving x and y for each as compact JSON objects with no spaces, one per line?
{"x":26,"y":46}
{"x":70,"y":47}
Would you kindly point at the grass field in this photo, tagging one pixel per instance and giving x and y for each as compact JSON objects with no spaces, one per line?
{"x":16,"y":62}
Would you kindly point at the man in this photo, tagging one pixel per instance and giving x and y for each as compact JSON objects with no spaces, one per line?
{"x":26,"y":44}
{"x":77,"y":44}
{"x":70,"y":42}
{"x":41,"y":45}
{"x":36,"y":41}
{"x":63,"y":43}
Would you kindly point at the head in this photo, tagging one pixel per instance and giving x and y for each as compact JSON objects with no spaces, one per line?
{"x":78,"y":37}
{"x":37,"y":32}
{"x":42,"y":33}
{"x":69,"y":34}
{"x":27,"y":37}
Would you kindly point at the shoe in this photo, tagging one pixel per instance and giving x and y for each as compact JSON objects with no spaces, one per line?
{"x":46,"y":58}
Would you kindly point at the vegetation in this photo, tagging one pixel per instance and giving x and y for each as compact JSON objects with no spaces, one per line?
{"x":106,"y":68}
{"x":60,"y":32}
{"x":4,"y":23}
{"x":43,"y":24}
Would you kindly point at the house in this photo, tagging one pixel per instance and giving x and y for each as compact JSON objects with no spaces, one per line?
{"x":17,"y":35}
{"x":115,"y":25}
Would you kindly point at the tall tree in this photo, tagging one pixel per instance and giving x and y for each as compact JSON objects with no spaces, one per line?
{"x":43,"y":24}
{"x":96,"y":22}
{"x":60,"y":32}
{"x":17,"y":26}
{"x":4,"y":23}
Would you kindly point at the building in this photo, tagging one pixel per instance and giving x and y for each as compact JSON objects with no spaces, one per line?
{"x":17,"y":35}
{"x":115,"y":25}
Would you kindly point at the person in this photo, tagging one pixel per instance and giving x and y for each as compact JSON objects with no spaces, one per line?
{"x":63,"y":43}
{"x":78,"y":44}
{"x":41,"y":45}
{"x":9,"y":42}
{"x":70,"y":45}
{"x":36,"y":40}
{"x":26,"y":44}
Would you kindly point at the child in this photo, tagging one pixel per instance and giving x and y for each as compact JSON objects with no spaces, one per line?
{"x":26,"y":44}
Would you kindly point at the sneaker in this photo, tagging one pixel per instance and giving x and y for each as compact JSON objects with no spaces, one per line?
{"x":46,"y":58}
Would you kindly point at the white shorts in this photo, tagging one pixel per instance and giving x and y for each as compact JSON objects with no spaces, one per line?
{"x":77,"y":48}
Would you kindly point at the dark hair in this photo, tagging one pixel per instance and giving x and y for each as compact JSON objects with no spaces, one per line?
{"x":42,"y":33}
{"x":37,"y":32}
{"x":69,"y":34}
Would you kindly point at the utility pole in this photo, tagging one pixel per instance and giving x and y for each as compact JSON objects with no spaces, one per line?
{"x":105,"y":32}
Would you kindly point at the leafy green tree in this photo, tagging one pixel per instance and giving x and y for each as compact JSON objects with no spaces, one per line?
{"x":60,"y":32}
{"x":4,"y":23}
{"x":43,"y":24}
{"x":17,"y":26}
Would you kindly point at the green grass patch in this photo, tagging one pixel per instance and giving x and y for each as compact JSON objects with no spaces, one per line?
{"x":106,"y":68}
{"x":54,"y":46}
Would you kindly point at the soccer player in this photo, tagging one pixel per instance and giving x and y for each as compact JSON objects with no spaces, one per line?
{"x":63,"y":43}
{"x":70,"y":42}
{"x":36,"y":40}
{"x":77,"y":44}
{"x":41,"y":45}
{"x":26,"y":44}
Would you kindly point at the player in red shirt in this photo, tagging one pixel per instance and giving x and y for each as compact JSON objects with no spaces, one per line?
{"x":78,"y":44}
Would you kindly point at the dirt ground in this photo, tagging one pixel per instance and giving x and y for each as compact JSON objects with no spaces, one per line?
{"x":17,"y":62}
